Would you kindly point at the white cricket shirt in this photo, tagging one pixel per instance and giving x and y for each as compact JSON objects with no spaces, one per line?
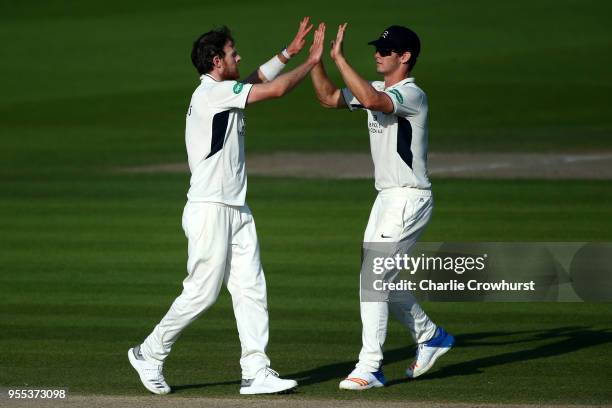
{"x":214,"y":136}
{"x":398,"y":140}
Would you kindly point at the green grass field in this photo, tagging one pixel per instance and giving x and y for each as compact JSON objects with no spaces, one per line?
{"x":92,"y":262}
{"x":90,"y":259}
{"x":97,"y":82}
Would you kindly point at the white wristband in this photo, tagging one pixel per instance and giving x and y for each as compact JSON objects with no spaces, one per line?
{"x":272,"y":68}
{"x":286,"y":53}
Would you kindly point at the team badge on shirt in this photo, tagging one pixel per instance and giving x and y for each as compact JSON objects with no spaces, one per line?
{"x":238,"y":88}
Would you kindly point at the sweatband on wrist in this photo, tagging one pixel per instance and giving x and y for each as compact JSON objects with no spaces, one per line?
{"x":286,"y":53}
{"x":272,"y":68}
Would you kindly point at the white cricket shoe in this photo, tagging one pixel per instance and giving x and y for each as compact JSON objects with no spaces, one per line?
{"x":150,"y":374}
{"x":360,"y":379}
{"x":429,"y":351}
{"x":266,"y":381}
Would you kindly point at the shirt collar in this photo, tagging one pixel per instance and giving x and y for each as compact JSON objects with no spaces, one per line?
{"x":208,"y":77}
{"x":402,"y":82}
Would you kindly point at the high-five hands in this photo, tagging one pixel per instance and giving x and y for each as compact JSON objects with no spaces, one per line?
{"x":316,"y":49}
{"x":300,"y":38}
{"x":336,"y":45}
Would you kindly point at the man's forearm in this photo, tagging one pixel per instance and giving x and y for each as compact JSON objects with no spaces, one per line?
{"x":324,"y":87}
{"x":258,"y":77}
{"x":359,"y":87}
{"x":286,"y":82}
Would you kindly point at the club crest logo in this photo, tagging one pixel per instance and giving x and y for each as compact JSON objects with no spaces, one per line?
{"x":238,"y":88}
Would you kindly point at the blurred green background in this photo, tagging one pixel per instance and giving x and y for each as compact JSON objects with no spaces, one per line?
{"x":90,"y":259}
{"x":92,"y":82}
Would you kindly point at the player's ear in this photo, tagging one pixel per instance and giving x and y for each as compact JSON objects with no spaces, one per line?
{"x":217,"y":61}
{"x":405,"y":57}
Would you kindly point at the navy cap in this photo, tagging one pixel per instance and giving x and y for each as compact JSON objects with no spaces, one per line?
{"x":399,"y":38}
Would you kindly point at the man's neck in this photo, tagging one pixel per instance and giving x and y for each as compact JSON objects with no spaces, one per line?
{"x":395,"y":77}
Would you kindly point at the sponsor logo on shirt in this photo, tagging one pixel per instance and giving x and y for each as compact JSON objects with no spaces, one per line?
{"x":375,"y":127}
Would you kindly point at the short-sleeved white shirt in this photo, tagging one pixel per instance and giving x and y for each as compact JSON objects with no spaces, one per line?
{"x":214,"y":136}
{"x":398,"y":140}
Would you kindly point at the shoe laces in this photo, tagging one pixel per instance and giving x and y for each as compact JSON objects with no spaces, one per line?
{"x":270,"y":371}
{"x":156,"y":372}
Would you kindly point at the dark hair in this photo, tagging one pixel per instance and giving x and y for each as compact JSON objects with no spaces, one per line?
{"x":413,"y":58}
{"x":208,"y":46}
{"x":414,"y":49}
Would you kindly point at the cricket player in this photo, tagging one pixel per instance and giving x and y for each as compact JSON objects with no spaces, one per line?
{"x":397,"y":121}
{"x":222,"y":242}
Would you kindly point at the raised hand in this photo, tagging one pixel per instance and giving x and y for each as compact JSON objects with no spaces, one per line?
{"x":300,"y":38}
{"x":316,"y":49}
{"x":336,"y":45}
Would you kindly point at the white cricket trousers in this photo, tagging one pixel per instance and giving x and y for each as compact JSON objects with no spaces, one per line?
{"x":222,"y":247}
{"x":399,"y":215}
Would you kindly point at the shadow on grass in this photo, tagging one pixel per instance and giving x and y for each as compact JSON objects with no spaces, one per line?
{"x":179,"y":388}
{"x":552,"y":342}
